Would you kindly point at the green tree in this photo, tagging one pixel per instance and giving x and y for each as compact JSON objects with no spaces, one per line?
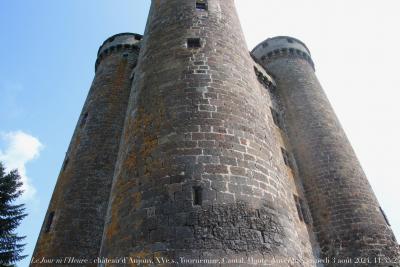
{"x":10,"y":217}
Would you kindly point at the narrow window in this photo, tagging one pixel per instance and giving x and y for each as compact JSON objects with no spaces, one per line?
{"x":298,"y":206}
{"x":384,"y":216}
{"x":49,"y":222}
{"x":277,"y":118}
{"x":193,"y":43}
{"x":65,"y":164}
{"x":197,"y":198}
{"x":84,"y":119}
{"x":201,"y":5}
{"x":304,"y":212}
{"x":286,"y":157}
{"x":132,"y":74}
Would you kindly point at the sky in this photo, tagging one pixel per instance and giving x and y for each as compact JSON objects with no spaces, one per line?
{"x":48,"y":50}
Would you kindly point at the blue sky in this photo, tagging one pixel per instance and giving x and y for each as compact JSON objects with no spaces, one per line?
{"x":48,"y":50}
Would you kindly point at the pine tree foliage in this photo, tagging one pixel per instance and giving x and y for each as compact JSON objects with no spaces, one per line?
{"x":11,"y":216}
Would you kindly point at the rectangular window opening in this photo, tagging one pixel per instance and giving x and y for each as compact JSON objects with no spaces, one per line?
{"x":201,"y":5}
{"x":65,"y":164}
{"x":193,"y":43}
{"x":197,"y":196}
{"x":84,"y":119}
{"x":304,"y":212}
{"x":298,"y":207}
{"x":277,"y":118}
{"x":49,"y":222}
{"x":384,"y":216}
{"x":286,"y":157}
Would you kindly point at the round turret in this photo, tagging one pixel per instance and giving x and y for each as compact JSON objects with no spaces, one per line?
{"x":117,"y":42}
{"x":197,"y":176}
{"x":281,"y":46}
{"x":74,"y":221}
{"x":346,"y":214}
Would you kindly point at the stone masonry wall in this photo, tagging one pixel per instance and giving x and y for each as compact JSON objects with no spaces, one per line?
{"x":74,"y":221}
{"x":346,"y":215}
{"x":207,"y":156}
{"x":200,"y":172}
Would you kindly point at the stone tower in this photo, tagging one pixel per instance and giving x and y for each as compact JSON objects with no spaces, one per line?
{"x":73,"y":225}
{"x":193,"y":150}
{"x":347,"y":217}
{"x":200,"y":172}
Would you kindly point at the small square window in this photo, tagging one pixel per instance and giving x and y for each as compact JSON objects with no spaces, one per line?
{"x":201,"y":5}
{"x":193,"y":43}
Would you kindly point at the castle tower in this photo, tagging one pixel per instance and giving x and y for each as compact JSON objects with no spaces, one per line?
{"x":347,"y":217}
{"x":200,"y":172}
{"x":74,"y":221}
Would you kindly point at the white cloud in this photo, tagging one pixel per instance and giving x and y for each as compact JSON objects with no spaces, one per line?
{"x":20,"y":148}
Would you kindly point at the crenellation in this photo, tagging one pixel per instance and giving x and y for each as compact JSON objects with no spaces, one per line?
{"x":116,"y":48}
